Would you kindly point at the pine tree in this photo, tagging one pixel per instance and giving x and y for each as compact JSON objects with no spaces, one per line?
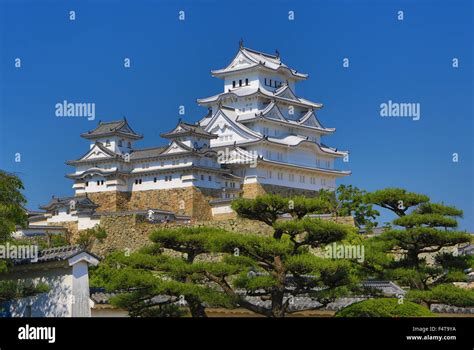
{"x":420,"y":246}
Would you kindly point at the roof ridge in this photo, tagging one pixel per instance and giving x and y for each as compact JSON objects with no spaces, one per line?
{"x":261,"y":53}
{"x":148,"y":148}
{"x":112,"y":122}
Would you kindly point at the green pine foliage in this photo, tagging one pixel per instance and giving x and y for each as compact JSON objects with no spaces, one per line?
{"x":384,"y":307}
{"x":419,"y":251}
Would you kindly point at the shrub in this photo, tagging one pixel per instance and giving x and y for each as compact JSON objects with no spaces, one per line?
{"x":384,"y":307}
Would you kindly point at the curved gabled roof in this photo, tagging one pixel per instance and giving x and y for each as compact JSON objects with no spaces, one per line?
{"x":113,"y":128}
{"x":231,"y":117}
{"x":186,"y":129}
{"x":322,"y":170}
{"x":296,"y":140}
{"x":255,"y":59}
{"x":273,"y":106}
{"x":96,"y":171}
{"x":100,"y":146}
{"x":252,"y":91}
{"x":79,"y":202}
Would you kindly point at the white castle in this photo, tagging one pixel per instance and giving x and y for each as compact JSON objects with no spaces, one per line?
{"x":258,"y":137}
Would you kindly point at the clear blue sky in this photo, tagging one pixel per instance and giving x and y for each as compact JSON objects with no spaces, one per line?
{"x":402,"y":61}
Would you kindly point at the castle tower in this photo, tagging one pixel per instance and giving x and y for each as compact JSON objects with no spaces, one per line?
{"x":271,"y":136}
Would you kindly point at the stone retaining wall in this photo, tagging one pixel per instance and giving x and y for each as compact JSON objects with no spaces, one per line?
{"x":191,"y":201}
{"x":130,"y":232}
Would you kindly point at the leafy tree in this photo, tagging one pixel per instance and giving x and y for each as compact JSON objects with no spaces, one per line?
{"x":12,"y":203}
{"x":87,"y":237}
{"x":12,"y":213}
{"x":384,"y":307}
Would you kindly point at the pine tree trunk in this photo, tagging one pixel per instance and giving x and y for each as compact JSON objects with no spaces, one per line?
{"x":277,"y":303}
{"x":196,"y":308}
{"x":278,"y":294}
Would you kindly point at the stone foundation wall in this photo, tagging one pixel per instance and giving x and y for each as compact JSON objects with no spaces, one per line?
{"x":201,"y":196}
{"x":110,"y":201}
{"x":253,"y":190}
{"x":225,"y":216}
{"x":191,"y":201}
{"x":178,"y":200}
{"x":130,"y":232}
{"x":71,"y":227}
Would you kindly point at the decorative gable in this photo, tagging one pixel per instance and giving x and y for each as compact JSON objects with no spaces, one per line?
{"x":240,"y":61}
{"x":287,"y":93}
{"x":227,"y":130}
{"x":126,"y":129}
{"x":97,"y":152}
{"x":273,"y":112}
{"x":310,"y":120}
{"x":175,"y":147}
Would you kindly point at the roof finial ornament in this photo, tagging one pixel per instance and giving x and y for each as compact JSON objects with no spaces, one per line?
{"x":277,"y":53}
{"x":241,"y":43}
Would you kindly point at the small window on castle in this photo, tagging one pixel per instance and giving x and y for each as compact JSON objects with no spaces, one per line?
{"x":120,"y":143}
{"x":155,"y":179}
{"x":162,"y":163}
{"x":302,"y":179}
{"x":265,"y":81}
{"x":240,"y":82}
{"x":140,"y":181}
{"x":246,"y":81}
{"x":87,"y":183}
{"x":129,"y":144}
{"x":210,"y":178}
{"x":101,"y":182}
{"x":226,"y":184}
{"x":270,"y":82}
{"x":233,"y":84}
{"x":202,"y":177}
{"x":107,"y":142}
{"x":98,"y":183}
